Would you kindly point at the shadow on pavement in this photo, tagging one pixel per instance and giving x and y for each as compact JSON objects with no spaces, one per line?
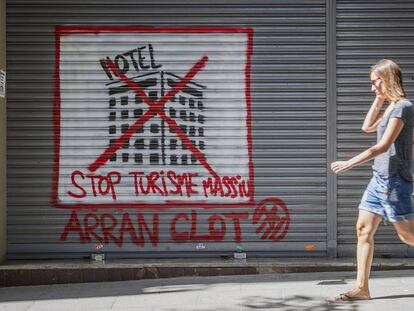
{"x":96,"y":290}
{"x":149,"y":287}
{"x":334,"y":282}
{"x":297,"y":303}
{"x":392,"y":297}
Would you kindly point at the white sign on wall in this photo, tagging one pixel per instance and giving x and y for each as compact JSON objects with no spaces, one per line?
{"x":152,"y":116}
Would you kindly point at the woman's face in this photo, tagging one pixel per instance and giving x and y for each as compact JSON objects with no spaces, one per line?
{"x":376,"y":84}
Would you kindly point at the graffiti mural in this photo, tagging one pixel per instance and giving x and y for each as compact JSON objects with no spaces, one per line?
{"x":156,"y":118}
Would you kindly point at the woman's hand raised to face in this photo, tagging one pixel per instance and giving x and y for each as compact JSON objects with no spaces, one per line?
{"x":380,"y":98}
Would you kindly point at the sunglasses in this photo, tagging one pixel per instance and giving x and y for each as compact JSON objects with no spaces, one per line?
{"x":374,"y":82}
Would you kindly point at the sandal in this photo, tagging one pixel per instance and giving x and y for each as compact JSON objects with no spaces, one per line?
{"x":348,"y":297}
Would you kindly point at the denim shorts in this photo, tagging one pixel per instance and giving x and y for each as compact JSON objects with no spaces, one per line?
{"x":389,"y":198}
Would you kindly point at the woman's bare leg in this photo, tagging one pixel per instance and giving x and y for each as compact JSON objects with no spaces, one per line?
{"x":405,"y":230}
{"x":366,"y":227}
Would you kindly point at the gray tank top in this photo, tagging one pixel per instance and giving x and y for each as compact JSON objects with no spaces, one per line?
{"x":397,"y":159}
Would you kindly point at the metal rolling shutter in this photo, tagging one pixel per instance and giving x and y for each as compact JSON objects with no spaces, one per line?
{"x":288,"y":124}
{"x":366,"y":32}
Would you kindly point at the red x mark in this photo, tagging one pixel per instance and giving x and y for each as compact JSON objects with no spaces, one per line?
{"x":155,"y":108}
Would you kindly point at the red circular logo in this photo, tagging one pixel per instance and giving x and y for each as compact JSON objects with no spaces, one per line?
{"x":273,"y":219}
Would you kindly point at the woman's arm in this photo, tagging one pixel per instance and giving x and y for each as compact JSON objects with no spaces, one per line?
{"x":372,"y":119}
{"x":391,"y":133}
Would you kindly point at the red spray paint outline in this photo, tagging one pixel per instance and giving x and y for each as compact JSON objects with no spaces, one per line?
{"x":71,"y":30}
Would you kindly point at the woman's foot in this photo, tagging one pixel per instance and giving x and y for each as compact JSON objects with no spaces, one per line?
{"x":355,"y":294}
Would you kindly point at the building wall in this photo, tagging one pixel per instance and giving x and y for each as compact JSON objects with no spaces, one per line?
{"x":3,"y":207}
{"x":255,"y":107}
{"x":299,"y":107}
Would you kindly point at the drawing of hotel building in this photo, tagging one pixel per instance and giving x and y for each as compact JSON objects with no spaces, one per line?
{"x":156,"y":143}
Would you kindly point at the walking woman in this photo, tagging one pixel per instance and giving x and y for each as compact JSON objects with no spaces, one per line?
{"x":388,"y":194}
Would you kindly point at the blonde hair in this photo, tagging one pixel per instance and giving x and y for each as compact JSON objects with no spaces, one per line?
{"x":391,"y":77}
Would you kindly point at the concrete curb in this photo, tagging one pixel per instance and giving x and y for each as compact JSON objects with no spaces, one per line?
{"x":23,"y":274}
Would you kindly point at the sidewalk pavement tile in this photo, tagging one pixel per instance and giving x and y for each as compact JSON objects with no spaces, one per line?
{"x":69,"y":304}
